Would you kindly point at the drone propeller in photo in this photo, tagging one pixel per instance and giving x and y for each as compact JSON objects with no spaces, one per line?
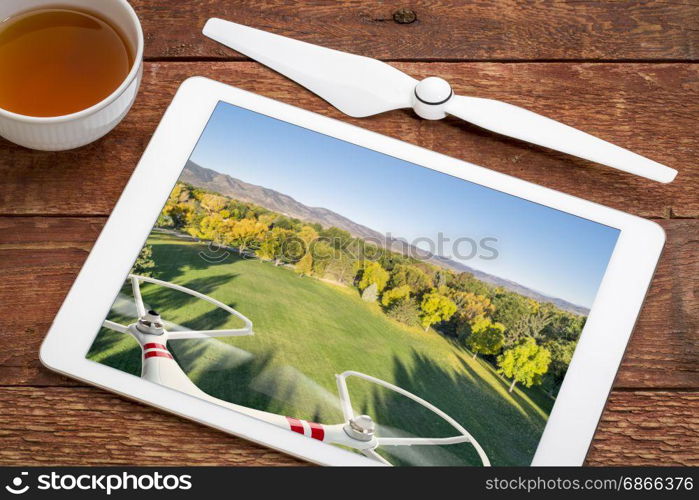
{"x":361,"y":86}
{"x":359,"y":432}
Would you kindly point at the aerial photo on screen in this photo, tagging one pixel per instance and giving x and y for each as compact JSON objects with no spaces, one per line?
{"x":356,"y":298}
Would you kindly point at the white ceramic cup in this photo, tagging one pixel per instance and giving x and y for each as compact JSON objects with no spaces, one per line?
{"x":57,"y":133}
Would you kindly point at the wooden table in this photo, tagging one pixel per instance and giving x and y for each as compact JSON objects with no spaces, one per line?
{"x":626,"y":71}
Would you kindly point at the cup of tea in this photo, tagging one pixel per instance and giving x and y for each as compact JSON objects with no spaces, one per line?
{"x":69,"y":70}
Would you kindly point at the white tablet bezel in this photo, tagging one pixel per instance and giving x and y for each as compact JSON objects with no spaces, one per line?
{"x":582,"y":397}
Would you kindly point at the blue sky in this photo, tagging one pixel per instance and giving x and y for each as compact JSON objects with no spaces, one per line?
{"x":543,"y":249}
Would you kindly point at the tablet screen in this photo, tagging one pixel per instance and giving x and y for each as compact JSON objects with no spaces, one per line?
{"x":357,"y":298}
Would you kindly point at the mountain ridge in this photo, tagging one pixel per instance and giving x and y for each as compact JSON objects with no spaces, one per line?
{"x":271,"y":199}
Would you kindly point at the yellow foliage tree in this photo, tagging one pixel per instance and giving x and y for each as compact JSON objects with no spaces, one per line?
{"x":243,"y":233}
{"x":393,"y":295}
{"x":307,"y":234}
{"x":213,"y":202}
{"x":373,"y":273}
{"x":304,"y":266}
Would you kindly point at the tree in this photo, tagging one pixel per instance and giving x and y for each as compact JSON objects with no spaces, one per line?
{"x":441,"y":278}
{"x":176,"y":209}
{"x":466,"y":282}
{"x":210,"y":227}
{"x":526,"y":363}
{"x":540,"y":315}
{"x":340,"y":267}
{"x":336,"y":237}
{"x":471,"y":307}
{"x":395,"y":294}
{"x":561,"y":356}
{"x":486,"y":337}
{"x":292,"y":248}
{"x":243,"y":233}
{"x":304,"y":266}
{"x":512,"y":311}
{"x":406,"y":274}
{"x":373,"y":273}
{"x":564,"y":325}
{"x":144,"y":262}
{"x":322,"y":254}
{"x":213,"y":202}
{"x":267,"y":219}
{"x":406,"y":311}
{"x":435,"y":308}
{"x":283,"y":222}
{"x":270,"y":245}
{"x":307,"y":235}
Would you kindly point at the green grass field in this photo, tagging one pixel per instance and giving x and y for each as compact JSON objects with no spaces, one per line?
{"x":306,"y":331}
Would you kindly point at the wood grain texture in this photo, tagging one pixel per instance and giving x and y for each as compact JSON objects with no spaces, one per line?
{"x":444,"y":29}
{"x":92,"y":427}
{"x":648,"y":428}
{"x":649,"y":108}
{"x":41,"y":257}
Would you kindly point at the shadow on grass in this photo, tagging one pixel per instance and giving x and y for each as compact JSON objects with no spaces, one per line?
{"x":508,"y":431}
{"x":260,"y":381}
{"x":174,"y":259}
{"x":161,"y":298}
{"x":222,"y":370}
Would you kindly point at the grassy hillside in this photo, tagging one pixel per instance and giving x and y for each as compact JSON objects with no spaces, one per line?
{"x":306,"y":331}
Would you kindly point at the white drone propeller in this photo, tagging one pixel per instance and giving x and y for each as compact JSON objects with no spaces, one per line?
{"x":360,"y":86}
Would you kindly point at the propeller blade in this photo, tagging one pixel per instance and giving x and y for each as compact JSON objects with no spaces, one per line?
{"x":356,"y":85}
{"x":526,"y":125}
{"x":124,"y":305}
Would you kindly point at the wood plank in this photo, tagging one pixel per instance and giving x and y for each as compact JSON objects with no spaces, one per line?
{"x":649,"y":108}
{"x":444,"y":29}
{"x":41,"y":256}
{"x":86,"y":426}
{"x":648,"y":428}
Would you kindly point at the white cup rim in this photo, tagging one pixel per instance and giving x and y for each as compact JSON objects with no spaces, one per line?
{"x":137,"y":63}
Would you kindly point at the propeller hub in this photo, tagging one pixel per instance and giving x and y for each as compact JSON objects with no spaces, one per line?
{"x":431,"y":97}
{"x":361,"y":428}
{"x":150,"y":323}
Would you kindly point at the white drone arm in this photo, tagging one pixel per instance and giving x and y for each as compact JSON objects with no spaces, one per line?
{"x":415,"y":441}
{"x":115,"y":326}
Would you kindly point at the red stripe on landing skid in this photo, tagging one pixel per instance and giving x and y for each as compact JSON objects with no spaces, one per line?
{"x":317,"y":431}
{"x":295,"y":425}
{"x":157,"y":354}
{"x":153,"y":345}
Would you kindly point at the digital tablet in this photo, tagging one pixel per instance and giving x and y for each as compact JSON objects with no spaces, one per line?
{"x":352,"y":299}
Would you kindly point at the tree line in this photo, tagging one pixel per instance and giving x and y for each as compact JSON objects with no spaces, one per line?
{"x":529,"y":342}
